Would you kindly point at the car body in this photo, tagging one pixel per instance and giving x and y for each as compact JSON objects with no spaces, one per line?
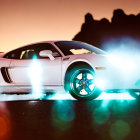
{"x":45,"y":66}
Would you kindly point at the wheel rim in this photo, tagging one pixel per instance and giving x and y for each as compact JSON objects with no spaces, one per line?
{"x":135,"y":94}
{"x":82,"y":82}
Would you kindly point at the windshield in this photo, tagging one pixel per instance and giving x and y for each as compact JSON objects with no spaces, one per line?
{"x":73,"y":47}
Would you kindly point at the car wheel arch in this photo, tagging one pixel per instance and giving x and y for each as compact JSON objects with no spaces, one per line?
{"x":72,"y":65}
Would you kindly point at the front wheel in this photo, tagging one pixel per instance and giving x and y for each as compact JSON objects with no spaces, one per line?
{"x":80,"y":83}
{"x":135,"y":94}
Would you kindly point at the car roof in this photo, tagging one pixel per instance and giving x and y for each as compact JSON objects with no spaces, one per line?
{"x":50,"y":41}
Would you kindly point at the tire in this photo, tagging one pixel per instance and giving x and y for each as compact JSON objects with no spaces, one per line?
{"x":79,"y":82}
{"x":135,"y":94}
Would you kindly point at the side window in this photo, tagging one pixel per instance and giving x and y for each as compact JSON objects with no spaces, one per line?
{"x":13,"y":54}
{"x":32,"y":51}
{"x":28,"y":54}
{"x":21,"y":54}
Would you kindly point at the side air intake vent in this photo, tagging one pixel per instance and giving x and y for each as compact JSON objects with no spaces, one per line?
{"x":5,"y":74}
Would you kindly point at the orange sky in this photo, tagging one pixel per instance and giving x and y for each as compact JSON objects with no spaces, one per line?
{"x":27,"y":21}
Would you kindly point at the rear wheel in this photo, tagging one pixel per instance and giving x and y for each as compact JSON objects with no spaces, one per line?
{"x":80,"y":83}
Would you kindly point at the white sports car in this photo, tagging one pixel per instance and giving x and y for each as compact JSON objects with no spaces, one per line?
{"x":81,"y":69}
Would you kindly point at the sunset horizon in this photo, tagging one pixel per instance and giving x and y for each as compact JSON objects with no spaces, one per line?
{"x":28,"y":21}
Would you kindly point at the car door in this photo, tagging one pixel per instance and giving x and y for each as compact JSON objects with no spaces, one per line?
{"x":31,"y":68}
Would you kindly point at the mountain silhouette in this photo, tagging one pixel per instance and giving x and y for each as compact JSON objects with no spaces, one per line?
{"x":97,"y":32}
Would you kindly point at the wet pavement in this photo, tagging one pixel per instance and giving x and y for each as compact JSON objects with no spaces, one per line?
{"x":61,"y":119}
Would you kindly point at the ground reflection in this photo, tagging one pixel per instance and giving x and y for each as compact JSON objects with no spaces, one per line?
{"x":59,"y":116}
{"x":63,"y":114}
{"x":5,"y":122}
{"x":114,"y":117}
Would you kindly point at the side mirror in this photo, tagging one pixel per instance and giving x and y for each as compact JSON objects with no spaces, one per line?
{"x":46,"y":53}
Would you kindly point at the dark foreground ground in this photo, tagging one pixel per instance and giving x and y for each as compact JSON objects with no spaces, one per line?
{"x":70,"y":119}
